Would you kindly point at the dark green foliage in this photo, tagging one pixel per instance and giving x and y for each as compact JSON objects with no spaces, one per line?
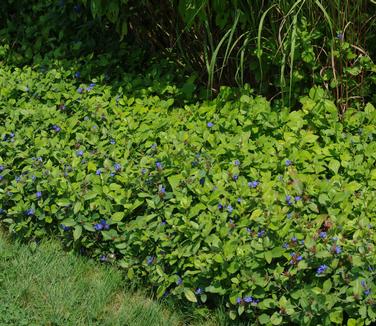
{"x":281,"y":48}
{"x":209,"y":203}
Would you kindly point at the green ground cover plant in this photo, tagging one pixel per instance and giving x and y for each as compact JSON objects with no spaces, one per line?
{"x":232,"y":202}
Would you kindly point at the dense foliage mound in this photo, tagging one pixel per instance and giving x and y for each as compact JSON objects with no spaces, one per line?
{"x":270,"y":212}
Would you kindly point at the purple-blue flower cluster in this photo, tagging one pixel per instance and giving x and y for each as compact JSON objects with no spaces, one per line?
{"x":321,"y":269}
{"x":247,"y":299}
{"x":102,"y":225}
{"x":253,"y":184}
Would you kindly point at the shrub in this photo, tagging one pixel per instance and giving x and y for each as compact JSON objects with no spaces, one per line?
{"x":269,"y":211}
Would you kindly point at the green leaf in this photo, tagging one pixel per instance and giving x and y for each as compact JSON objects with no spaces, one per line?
{"x":77,"y":207}
{"x":77,"y":232}
{"x":90,"y":195}
{"x":334,"y":165}
{"x":276,"y":319}
{"x":336,"y":317}
{"x":263,"y":319}
{"x":117,"y":217}
{"x":190,"y":295}
{"x":91,"y":166}
{"x":240,"y":310}
{"x":63,"y":202}
{"x":203,"y":297}
{"x":268,"y":256}
{"x":327,"y":286}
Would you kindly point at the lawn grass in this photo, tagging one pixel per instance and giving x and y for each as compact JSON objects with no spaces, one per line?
{"x":48,"y":286}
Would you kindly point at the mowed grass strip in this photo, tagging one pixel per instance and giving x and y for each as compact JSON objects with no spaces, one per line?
{"x":48,"y":286}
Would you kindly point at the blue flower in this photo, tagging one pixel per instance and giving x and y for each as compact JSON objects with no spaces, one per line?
{"x":294,"y":239}
{"x":1,"y":168}
{"x":341,"y":36}
{"x":322,"y":235}
{"x":91,"y":86}
{"x":295,"y":258}
{"x":253,"y":184}
{"x":117,"y":167}
{"x":112,"y":174}
{"x":239,"y":200}
{"x":337,"y":250}
{"x":237,"y":162}
{"x":80,"y":90}
{"x":159,"y":165}
{"x":297,"y":198}
{"x":30,"y":212}
{"x":220,"y":206}
{"x":1,"y":177}
{"x":202,"y":181}
{"x":38,"y":194}
{"x":104,"y":224}
{"x":98,"y":227}
{"x":261,"y":233}
{"x":229,"y":209}
{"x":103,"y":258}
{"x":112,"y":142}
{"x":80,"y":153}
{"x":56,"y":128}
{"x":98,"y":172}
{"x":64,"y":227}
{"x":150,"y":260}
{"x":363,"y":283}
{"x":248,"y":299}
{"x":235,"y":177}
{"x":288,"y":200}
{"x":321,"y":269}
{"x":154,"y":146}
{"x":285,"y":245}
{"x":239,"y":300}
{"x":288,"y":162}
{"x":199,"y":291}
{"x":367,"y":292}
{"x":179,"y":281}
{"x":210,"y":124}
{"x":77,"y":74}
